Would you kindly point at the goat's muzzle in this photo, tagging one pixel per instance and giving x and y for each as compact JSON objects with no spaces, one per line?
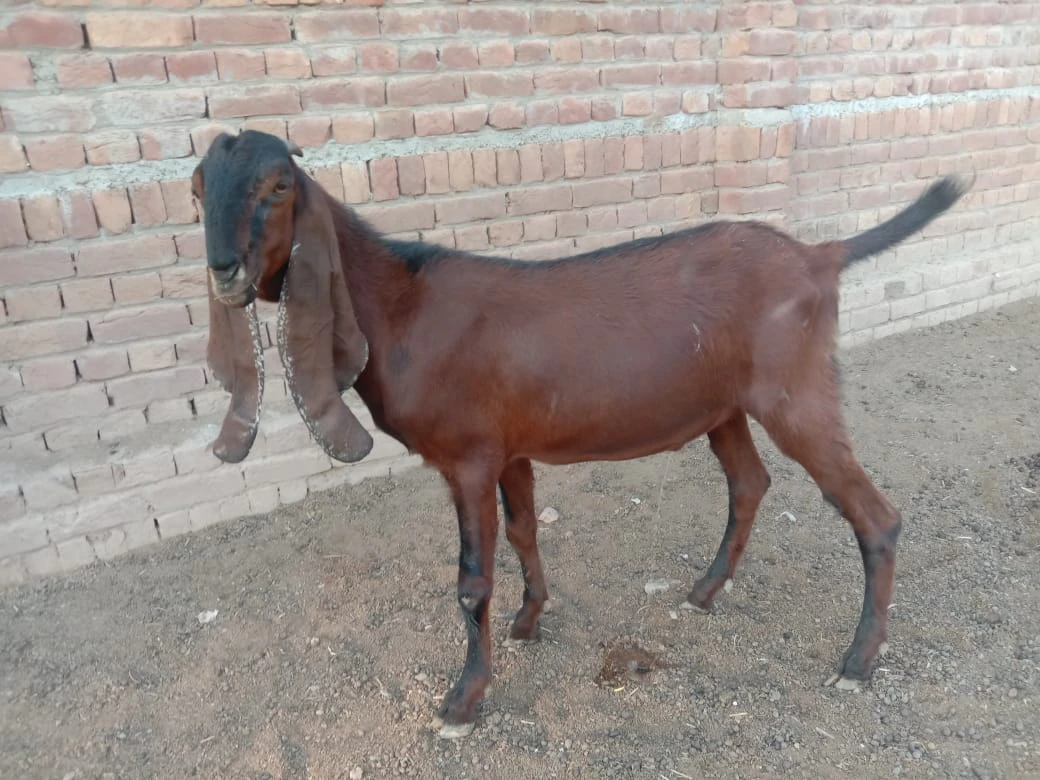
{"x":231,"y":286}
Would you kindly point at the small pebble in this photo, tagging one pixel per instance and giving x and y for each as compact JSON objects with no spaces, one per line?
{"x":549,"y":515}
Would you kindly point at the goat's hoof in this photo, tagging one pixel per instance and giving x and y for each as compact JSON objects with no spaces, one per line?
{"x":843,"y":683}
{"x":453,"y":730}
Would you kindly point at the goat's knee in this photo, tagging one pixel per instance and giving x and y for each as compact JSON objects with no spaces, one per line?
{"x":473,"y":593}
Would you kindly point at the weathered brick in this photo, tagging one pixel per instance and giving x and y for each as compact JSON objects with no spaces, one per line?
{"x":31,"y":29}
{"x":310,"y":130}
{"x":227,"y":102}
{"x":12,"y":155}
{"x":110,"y":542}
{"x":504,"y":116}
{"x":469,"y":119}
{"x":534,"y":200}
{"x":355,"y":183}
{"x":136,"y":288}
{"x":49,"y":489}
{"x":275,"y":469}
{"x":593,"y":193}
{"x":471,"y":208}
{"x":98,"y":364}
{"x":394,"y":123}
{"x":139,"y":68}
{"x":60,"y":152}
{"x":71,"y":435}
{"x":346,"y":93}
{"x":12,"y":227}
{"x":15,"y":71}
{"x":130,"y":254}
{"x":383,"y":175}
{"x":252,"y":28}
{"x":127,"y":324}
{"x":510,"y":84}
{"x":499,"y":20}
{"x":137,"y":107}
{"x":48,"y":373}
{"x":191,"y":66}
{"x":434,"y":121}
{"x":240,"y":65}
{"x":549,"y":21}
{"x":32,"y":303}
{"x":49,"y":114}
{"x":93,"y":480}
{"x":141,"y":389}
{"x":44,"y":409}
{"x":353,"y":128}
{"x":86,"y":294}
{"x":169,"y":410}
{"x":333,"y":60}
{"x":123,"y":30}
{"x":435,"y":167}
{"x":112,"y":146}
{"x":423,"y":90}
{"x":180,"y":204}
{"x":460,"y":170}
{"x":146,"y":204}
{"x":337,"y":25}
{"x":400,"y":217}
{"x":287,"y":63}
{"x":83,"y":70}
{"x":112,"y":207}
{"x":165,"y":143}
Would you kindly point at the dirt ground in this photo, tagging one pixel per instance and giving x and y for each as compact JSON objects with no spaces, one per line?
{"x":337,"y":628}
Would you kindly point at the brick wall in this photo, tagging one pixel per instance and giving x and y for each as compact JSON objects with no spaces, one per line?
{"x":526,"y":129}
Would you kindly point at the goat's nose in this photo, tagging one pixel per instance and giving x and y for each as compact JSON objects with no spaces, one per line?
{"x":222,"y":274}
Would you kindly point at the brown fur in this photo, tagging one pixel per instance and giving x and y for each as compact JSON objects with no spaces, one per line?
{"x":483,"y":366}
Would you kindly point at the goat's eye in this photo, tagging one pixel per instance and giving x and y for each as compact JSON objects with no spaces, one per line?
{"x":281,"y":187}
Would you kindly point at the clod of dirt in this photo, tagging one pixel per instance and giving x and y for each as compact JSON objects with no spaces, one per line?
{"x":628,"y":662}
{"x":208,"y":616}
{"x":549,"y":516}
{"x":658,"y":586}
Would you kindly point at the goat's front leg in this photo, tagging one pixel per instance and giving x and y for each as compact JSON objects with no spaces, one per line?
{"x":474,"y":494}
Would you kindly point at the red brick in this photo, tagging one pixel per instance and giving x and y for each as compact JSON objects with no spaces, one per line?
{"x":15,"y":71}
{"x":500,"y":84}
{"x":574,"y":110}
{"x":112,"y":146}
{"x":633,"y":153}
{"x":574,"y":158}
{"x":251,"y":28}
{"x":637,"y":104}
{"x":180,"y":205}
{"x":537,"y":200}
{"x":310,"y":130}
{"x":191,"y":66}
{"x":543,"y":112}
{"x":48,"y":114}
{"x":471,"y":239}
{"x":458,"y":54}
{"x":419,"y":21}
{"x":270,"y":125}
{"x":383,"y":175}
{"x":562,"y":22}
{"x":240,"y":65}
{"x":379,"y":57}
{"x":629,"y":20}
{"x":485,"y":168}
{"x":110,"y":257}
{"x":12,"y":156}
{"x":468,"y":119}
{"x":508,"y":164}
{"x":32,"y":303}
{"x":39,"y":264}
{"x":50,"y":373}
{"x":227,"y":102}
{"x":566,"y":80}
{"x":422,"y":90}
{"x":737,"y":143}
{"x":687,"y":179}
{"x":334,"y":61}
{"x":613,"y":155}
{"x":460,"y":170}
{"x":499,"y":20}
{"x":12,"y":228}
{"x":688,"y":73}
{"x":771,"y":43}
{"x":86,"y":295}
{"x":530,"y":163}
{"x":183,"y":281}
{"x":400,"y":217}
{"x":140,"y":68}
{"x":470,"y":208}
{"x":636,"y":74}
{"x":532,"y":51}
{"x":495,"y":54}
{"x":33,"y":339}
{"x":55,"y":153}
{"x":565,"y":50}
{"x":42,"y":216}
{"x":395,"y":123}
{"x":287,"y":63}
{"x":411,"y":177}
{"x":113,"y":210}
{"x":356,"y":188}
{"x":594,"y":193}
{"x":98,"y":364}
{"x":435,"y":167}
{"x":350,"y":93}
{"x":165,"y":143}
{"x":353,"y":128}
{"x":433,"y":121}
{"x":505,"y":116}
{"x":552,"y":161}
{"x":49,"y":29}
{"x":421,"y":56}
{"x":506,"y":233}
{"x":337,"y":25}
{"x":137,"y":107}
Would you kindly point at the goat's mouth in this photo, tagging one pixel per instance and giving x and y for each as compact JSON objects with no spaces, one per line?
{"x":233,"y":288}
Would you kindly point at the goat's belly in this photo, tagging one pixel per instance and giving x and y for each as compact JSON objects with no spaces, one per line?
{"x":620,"y":438}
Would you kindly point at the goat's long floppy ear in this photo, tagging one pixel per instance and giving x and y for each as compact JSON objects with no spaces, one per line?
{"x":235,"y":355}
{"x":236,"y":360}
{"x":322,"y":347}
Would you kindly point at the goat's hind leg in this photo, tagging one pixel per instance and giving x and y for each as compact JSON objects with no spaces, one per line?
{"x":812,"y":432}
{"x":517,"y":486}
{"x":473,"y":489}
{"x":748,"y":481}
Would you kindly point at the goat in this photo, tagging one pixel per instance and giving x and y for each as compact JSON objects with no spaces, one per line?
{"x":484,"y":365}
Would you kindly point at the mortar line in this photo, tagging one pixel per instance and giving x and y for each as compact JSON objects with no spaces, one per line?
{"x":96,"y":177}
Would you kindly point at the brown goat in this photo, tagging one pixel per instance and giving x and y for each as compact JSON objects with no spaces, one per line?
{"x":484,"y":365}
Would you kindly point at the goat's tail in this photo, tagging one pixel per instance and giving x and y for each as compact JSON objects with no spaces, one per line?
{"x":933,"y":202}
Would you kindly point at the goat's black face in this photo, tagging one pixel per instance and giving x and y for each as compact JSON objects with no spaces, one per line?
{"x":247,"y":185}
